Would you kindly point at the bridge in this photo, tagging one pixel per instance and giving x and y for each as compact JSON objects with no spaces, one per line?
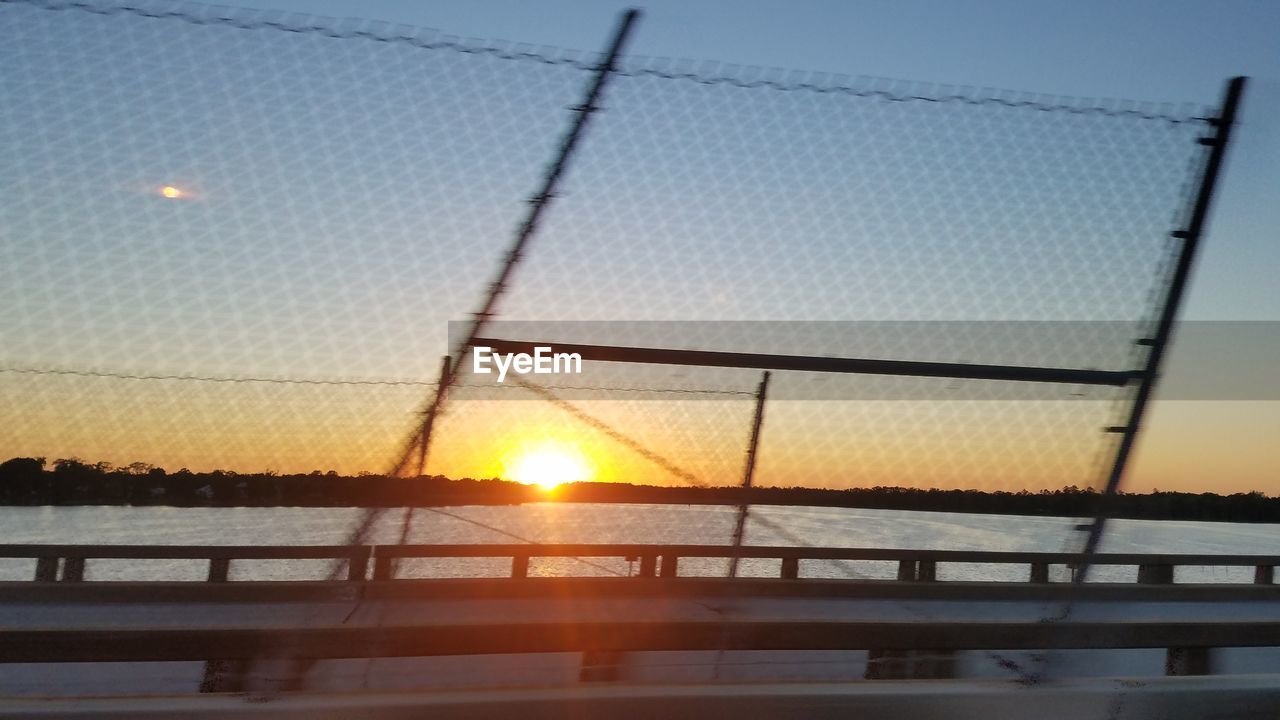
{"x":588,"y":629}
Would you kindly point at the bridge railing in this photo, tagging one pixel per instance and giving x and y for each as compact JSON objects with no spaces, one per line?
{"x":66,"y":563}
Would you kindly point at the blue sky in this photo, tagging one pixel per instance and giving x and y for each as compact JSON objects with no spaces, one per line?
{"x":1158,"y":50}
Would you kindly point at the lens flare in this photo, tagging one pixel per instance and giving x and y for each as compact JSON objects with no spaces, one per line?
{"x":548,"y":468}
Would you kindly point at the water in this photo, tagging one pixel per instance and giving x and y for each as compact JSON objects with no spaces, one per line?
{"x":613,"y":523}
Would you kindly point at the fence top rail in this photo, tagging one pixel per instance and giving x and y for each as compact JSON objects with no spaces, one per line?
{"x":250,"y":552}
{"x":156,"y":644}
{"x":709,"y":358}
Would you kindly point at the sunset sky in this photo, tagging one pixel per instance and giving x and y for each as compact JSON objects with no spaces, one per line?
{"x":310,"y":212}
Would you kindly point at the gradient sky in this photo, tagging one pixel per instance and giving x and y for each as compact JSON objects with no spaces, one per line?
{"x":1160,"y":51}
{"x":1157,"y":50}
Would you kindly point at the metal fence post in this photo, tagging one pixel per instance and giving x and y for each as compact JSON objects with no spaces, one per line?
{"x":670,"y":566}
{"x":382,"y":568}
{"x":359,"y":563}
{"x":1181,"y":661}
{"x":219,"y":569}
{"x":1155,"y":574}
{"x":1039,"y":572}
{"x":46,"y":569}
{"x":748,"y":473}
{"x":648,"y":565}
{"x":529,"y":226}
{"x":1190,"y":237}
{"x":429,"y":419}
{"x":73,"y":569}
{"x":519,"y":566}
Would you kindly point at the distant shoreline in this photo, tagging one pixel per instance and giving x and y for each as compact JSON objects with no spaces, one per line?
{"x":26,"y":482}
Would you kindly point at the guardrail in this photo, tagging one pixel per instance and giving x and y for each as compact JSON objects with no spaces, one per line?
{"x":440,"y":639}
{"x":1188,"y":645}
{"x":654,"y":560}
{"x":920,"y":650}
{"x":72,"y":558}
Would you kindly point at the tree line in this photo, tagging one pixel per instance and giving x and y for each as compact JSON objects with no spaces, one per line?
{"x":69,"y":481}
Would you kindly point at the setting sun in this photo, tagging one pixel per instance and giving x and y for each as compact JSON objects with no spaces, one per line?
{"x":549,"y":467}
{"x":171,"y":192}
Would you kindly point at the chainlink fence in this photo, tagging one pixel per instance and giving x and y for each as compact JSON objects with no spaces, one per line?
{"x":237,"y":239}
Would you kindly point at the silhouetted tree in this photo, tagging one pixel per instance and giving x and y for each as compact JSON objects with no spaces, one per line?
{"x":71,"y":481}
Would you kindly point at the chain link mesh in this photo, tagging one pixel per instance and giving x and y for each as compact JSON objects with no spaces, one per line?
{"x":343,"y":189}
{"x":235,"y":239}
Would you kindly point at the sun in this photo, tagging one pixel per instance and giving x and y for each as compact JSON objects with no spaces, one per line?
{"x":172,"y":192}
{"x":549,"y":467}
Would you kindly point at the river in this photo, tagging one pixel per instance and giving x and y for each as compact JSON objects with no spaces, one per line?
{"x":613,"y":523}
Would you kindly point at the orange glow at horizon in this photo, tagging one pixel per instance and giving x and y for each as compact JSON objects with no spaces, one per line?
{"x":548,"y":467}
{"x":1187,"y":446}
